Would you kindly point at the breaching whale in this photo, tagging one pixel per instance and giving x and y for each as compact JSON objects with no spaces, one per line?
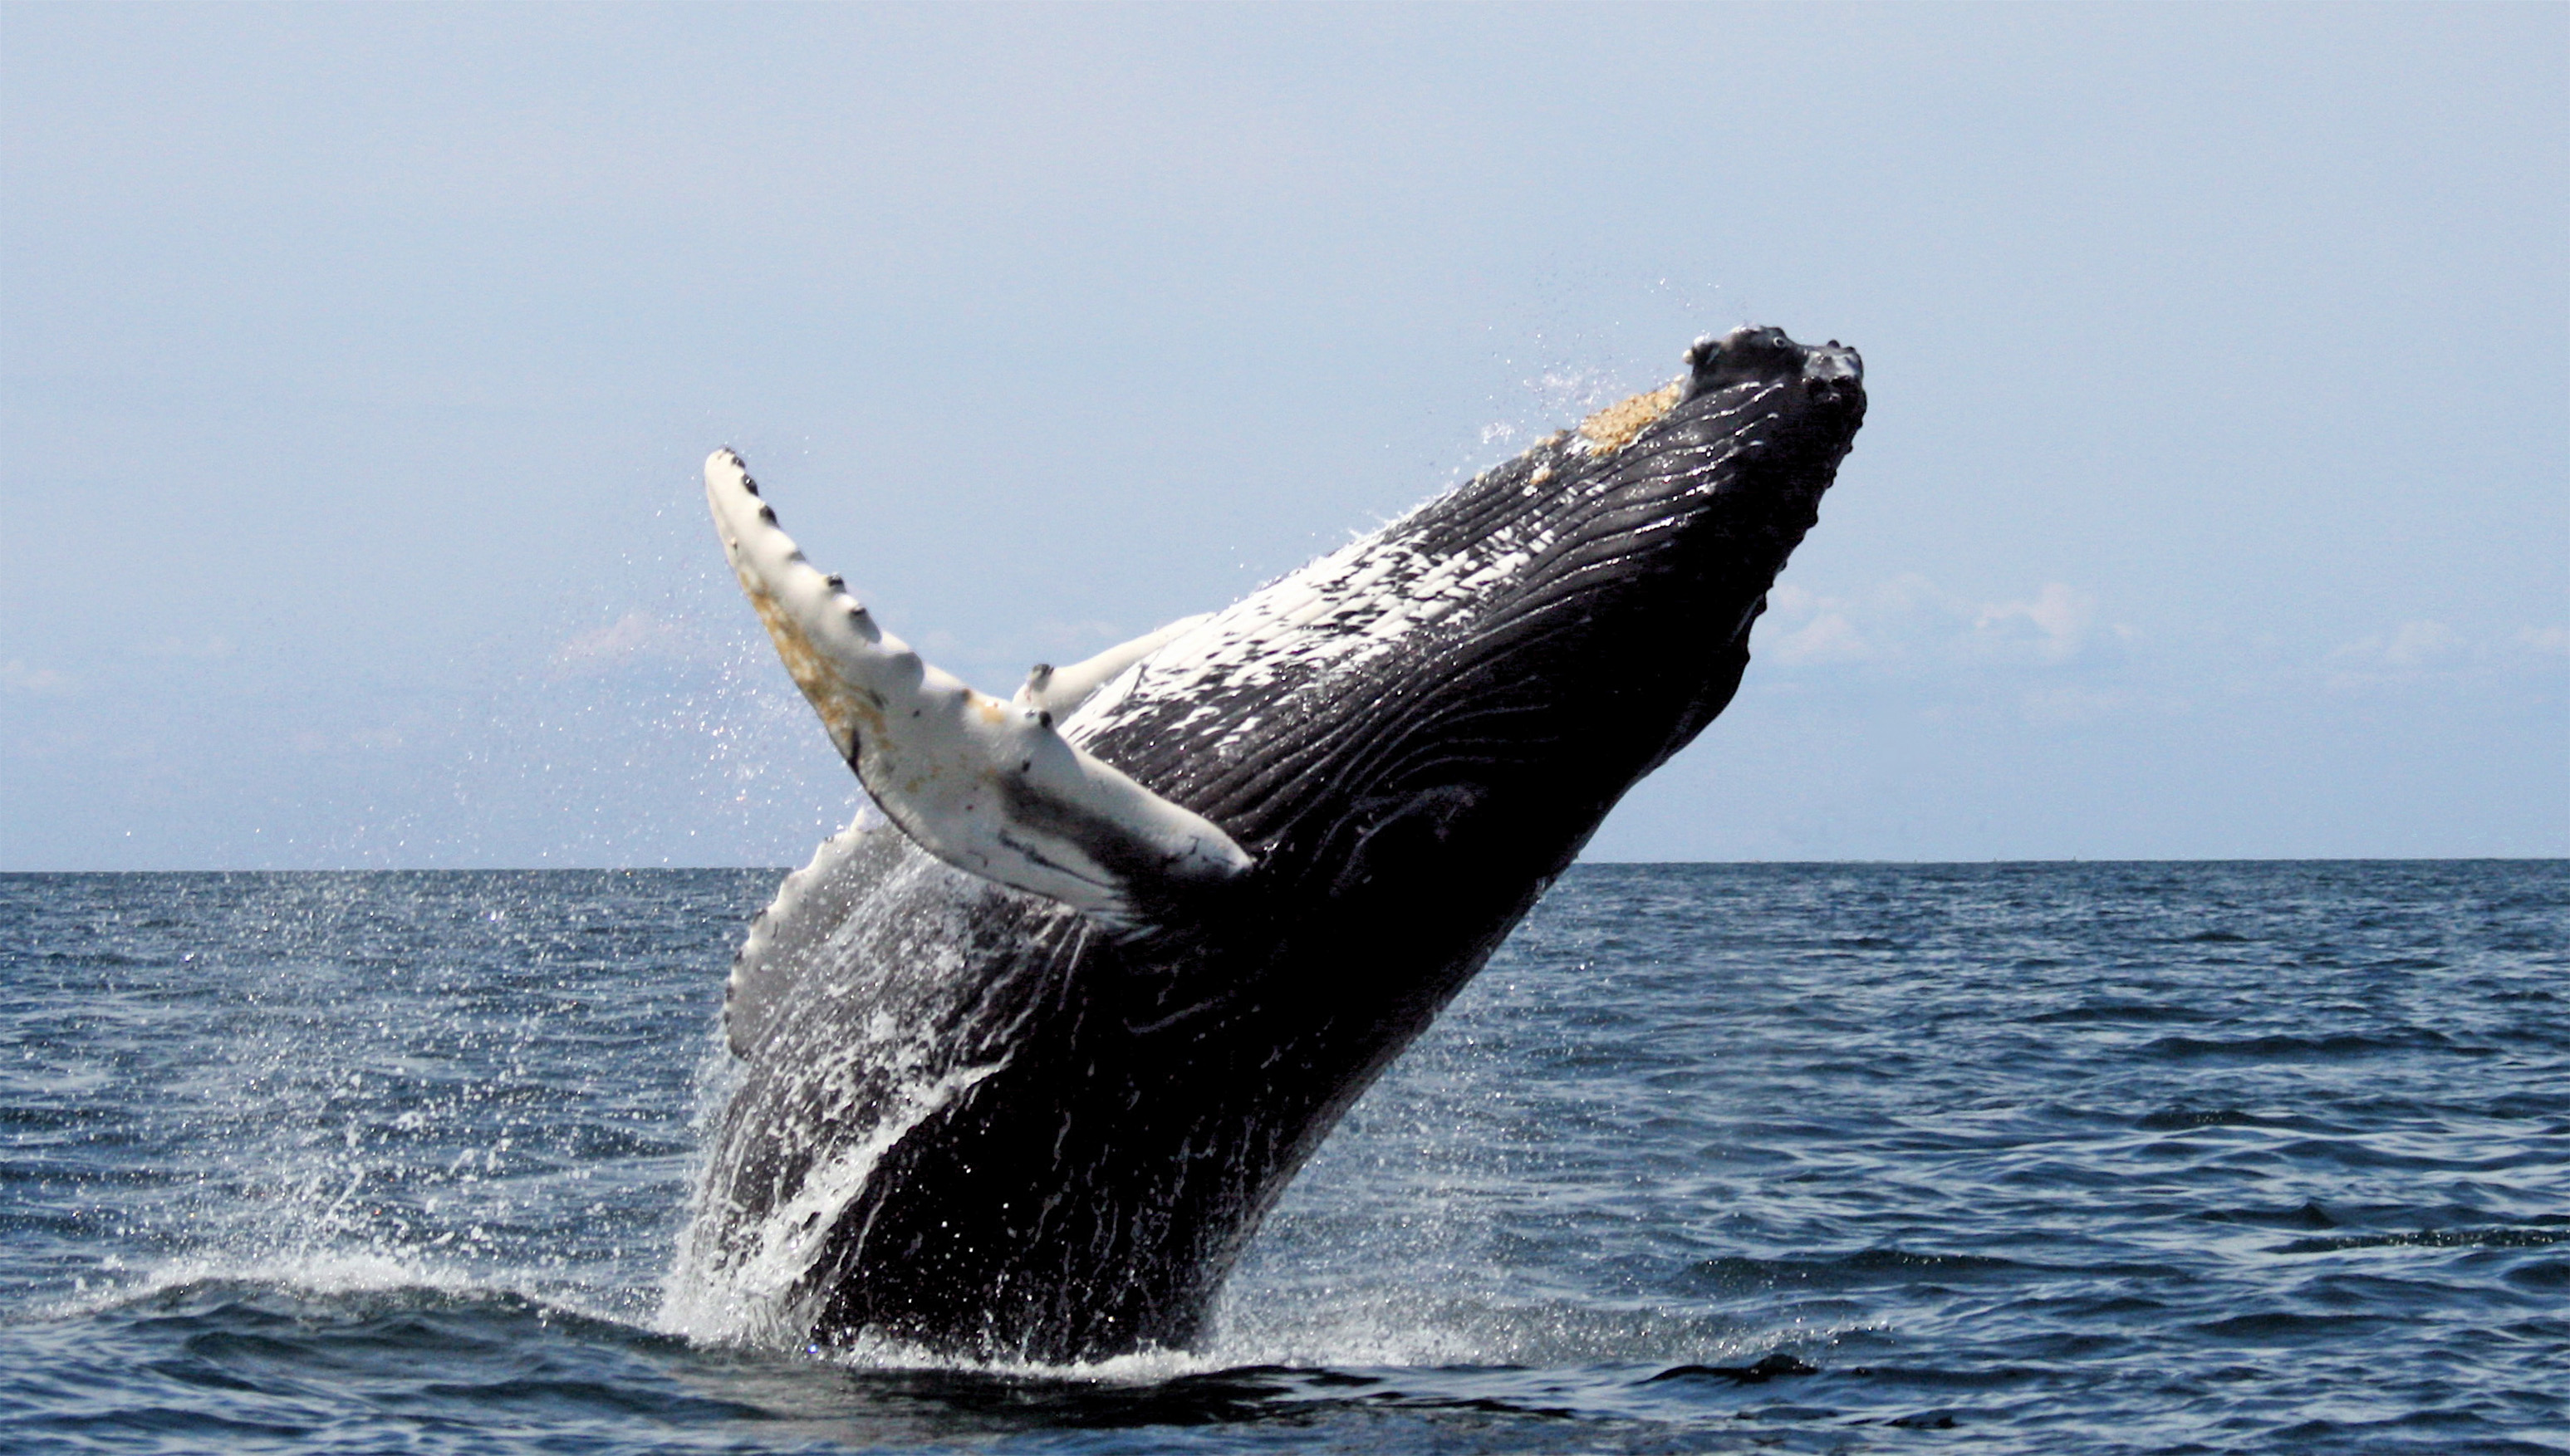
{"x":1024,"y":1060}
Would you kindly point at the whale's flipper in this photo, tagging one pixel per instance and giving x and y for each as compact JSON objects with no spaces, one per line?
{"x":1060,"y":690}
{"x":988,"y":786}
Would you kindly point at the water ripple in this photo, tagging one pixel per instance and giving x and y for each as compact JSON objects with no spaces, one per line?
{"x":1811,"y":1158}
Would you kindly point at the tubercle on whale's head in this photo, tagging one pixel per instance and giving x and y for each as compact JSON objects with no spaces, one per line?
{"x":1756,"y":354}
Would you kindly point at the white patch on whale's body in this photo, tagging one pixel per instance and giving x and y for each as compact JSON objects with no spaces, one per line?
{"x":1325,"y":620}
{"x":1335,"y":618}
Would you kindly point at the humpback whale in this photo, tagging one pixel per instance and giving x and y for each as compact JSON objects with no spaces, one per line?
{"x":1026,"y":1053}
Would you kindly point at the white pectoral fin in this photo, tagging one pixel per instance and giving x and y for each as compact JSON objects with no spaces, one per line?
{"x":989,"y":787}
{"x":1060,"y":690}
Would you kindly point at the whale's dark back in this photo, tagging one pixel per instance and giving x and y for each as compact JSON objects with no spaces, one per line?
{"x":1061,"y":1145}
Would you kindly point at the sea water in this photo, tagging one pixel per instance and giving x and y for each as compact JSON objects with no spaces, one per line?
{"x":2039,"y":1158}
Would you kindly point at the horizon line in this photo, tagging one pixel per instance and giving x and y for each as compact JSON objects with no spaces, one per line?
{"x":9,"y":873}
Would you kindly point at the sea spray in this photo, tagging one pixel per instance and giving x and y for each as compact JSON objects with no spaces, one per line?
{"x":743,"y":1275}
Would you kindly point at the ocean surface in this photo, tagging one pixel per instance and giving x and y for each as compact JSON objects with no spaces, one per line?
{"x":2008,"y":1158}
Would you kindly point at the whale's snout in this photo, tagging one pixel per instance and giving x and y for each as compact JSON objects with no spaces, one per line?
{"x":1754,"y":354}
{"x":1831,"y":362}
{"x":1833,"y":373}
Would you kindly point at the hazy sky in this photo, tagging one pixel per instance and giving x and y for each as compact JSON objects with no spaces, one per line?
{"x":359,"y":360}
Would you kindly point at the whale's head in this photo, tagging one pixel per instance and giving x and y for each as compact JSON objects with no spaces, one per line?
{"x":1392,"y":750}
{"x":1414,"y":733}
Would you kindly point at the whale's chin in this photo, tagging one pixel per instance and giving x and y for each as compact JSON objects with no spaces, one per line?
{"x":1025,"y":1063}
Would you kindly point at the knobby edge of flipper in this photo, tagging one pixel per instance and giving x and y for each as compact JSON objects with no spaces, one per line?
{"x":1060,"y":690}
{"x":987,"y":785}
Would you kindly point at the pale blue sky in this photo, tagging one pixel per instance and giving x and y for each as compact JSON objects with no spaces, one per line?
{"x":2215,"y":497}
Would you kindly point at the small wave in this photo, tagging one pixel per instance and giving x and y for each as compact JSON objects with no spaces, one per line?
{"x":876,"y":1355}
{"x":1863,"y":1267}
{"x":351,"y":1279}
{"x":1055,"y":1399}
{"x":2298,"y":1048}
{"x":1408,"y":1324}
{"x":2287,"y":1326}
{"x":998,"y":1402}
{"x":559,"y":1398}
{"x":98,"y":959}
{"x":2177,"y":1118}
{"x":2309,"y":1216}
{"x":2504,"y":1237}
{"x":1763,"y":1372}
{"x":2121,"y":1011}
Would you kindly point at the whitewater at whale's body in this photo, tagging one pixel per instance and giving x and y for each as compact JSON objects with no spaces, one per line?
{"x":1024,"y":1059}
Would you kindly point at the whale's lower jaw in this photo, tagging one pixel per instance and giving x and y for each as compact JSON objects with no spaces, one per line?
{"x":983,"y":1123}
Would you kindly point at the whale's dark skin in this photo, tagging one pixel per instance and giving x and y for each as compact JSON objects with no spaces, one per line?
{"x":991,"y":1127}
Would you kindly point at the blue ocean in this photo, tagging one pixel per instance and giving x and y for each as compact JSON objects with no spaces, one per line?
{"x":1830,"y":1158}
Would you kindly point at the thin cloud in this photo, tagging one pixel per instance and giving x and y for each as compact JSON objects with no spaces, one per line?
{"x":1910,"y":622}
{"x":636,"y":636}
{"x":43,"y":682}
{"x":2544,"y":642}
{"x":211,"y":650}
{"x":2055,"y":627}
{"x":2410,"y":647}
{"x":2423,"y":648}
